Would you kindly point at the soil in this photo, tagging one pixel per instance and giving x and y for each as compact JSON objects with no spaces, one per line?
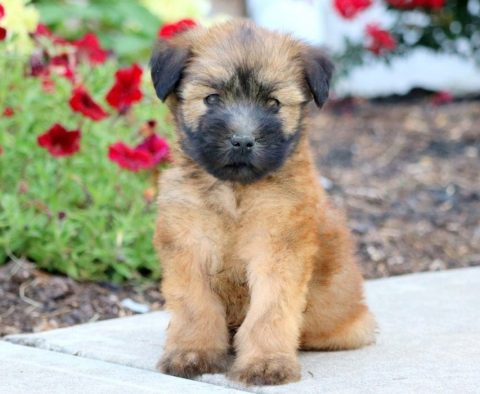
{"x":32,"y":300}
{"x":408,"y":176}
{"x":406,"y":173}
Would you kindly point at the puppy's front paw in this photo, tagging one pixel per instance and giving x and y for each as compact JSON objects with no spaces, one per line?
{"x":268,"y":371}
{"x":191,"y":363}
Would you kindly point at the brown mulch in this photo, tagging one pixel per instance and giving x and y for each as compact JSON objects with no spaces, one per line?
{"x":32,"y":300}
{"x":407,"y":174}
{"x":408,"y":177}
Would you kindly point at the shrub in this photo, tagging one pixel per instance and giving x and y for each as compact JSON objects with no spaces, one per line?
{"x":447,"y":26}
{"x":125,"y":26}
{"x":66,"y":202}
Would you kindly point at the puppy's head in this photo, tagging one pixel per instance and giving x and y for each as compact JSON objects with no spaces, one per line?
{"x":238,"y":93}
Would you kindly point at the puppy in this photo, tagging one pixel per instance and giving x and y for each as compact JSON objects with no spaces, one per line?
{"x":252,"y":251}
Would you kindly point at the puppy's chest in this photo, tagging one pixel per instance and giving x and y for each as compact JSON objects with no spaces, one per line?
{"x":228,"y":278}
{"x":227,"y":210}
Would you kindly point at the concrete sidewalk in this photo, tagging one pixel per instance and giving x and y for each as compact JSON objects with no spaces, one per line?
{"x":429,"y":341}
{"x":28,"y":370}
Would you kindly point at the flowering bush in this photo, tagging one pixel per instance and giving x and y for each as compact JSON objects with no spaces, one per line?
{"x":82,"y":140}
{"x":126,"y":27}
{"x":441,"y":25}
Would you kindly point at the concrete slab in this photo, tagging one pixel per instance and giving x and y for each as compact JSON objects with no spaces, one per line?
{"x":29,"y":370}
{"x":429,"y":341}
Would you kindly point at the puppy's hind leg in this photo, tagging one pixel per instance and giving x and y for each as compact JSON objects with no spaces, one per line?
{"x":336,"y":317}
{"x":354,"y":332}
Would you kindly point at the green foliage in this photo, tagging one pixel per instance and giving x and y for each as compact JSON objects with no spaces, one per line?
{"x":452,"y":28}
{"x":126,"y":27}
{"x":79,"y":215}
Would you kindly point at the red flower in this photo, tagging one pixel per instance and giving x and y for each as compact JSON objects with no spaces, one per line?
{"x":82,"y":102}
{"x":442,"y":97}
{"x":43,"y":31}
{"x":126,"y":89}
{"x":435,"y":4}
{"x":128,"y":158}
{"x":59,"y":141}
{"x":381,"y":41}
{"x":170,"y":29}
{"x":64,"y":65}
{"x":410,"y":4}
{"x":157,"y":147}
{"x":350,"y":8}
{"x":8,"y":112}
{"x":86,"y":47}
{"x":3,"y":31}
{"x":89,"y":47}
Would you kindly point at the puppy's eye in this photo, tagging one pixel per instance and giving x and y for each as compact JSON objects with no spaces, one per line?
{"x":212,"y":99}
{"x":273,"y":104}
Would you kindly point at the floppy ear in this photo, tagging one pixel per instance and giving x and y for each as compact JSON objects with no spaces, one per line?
{"x":318,"y":72}
{"x":166,"y":67}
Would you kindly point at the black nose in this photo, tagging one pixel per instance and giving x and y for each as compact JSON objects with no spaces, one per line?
{"x":241,"y":141}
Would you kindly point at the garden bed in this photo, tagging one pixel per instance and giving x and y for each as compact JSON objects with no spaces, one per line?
{"x":407,"y":174}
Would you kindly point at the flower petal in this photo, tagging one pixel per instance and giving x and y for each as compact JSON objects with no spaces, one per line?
{"x":82,"y":102}
{"x":59,"y":141}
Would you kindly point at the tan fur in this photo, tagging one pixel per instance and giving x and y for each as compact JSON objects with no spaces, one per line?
{"x":272,"y":260}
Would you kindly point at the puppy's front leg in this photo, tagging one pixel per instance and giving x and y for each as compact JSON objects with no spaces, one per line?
{"x":197,"y":336}
{"x":267,"y":341}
